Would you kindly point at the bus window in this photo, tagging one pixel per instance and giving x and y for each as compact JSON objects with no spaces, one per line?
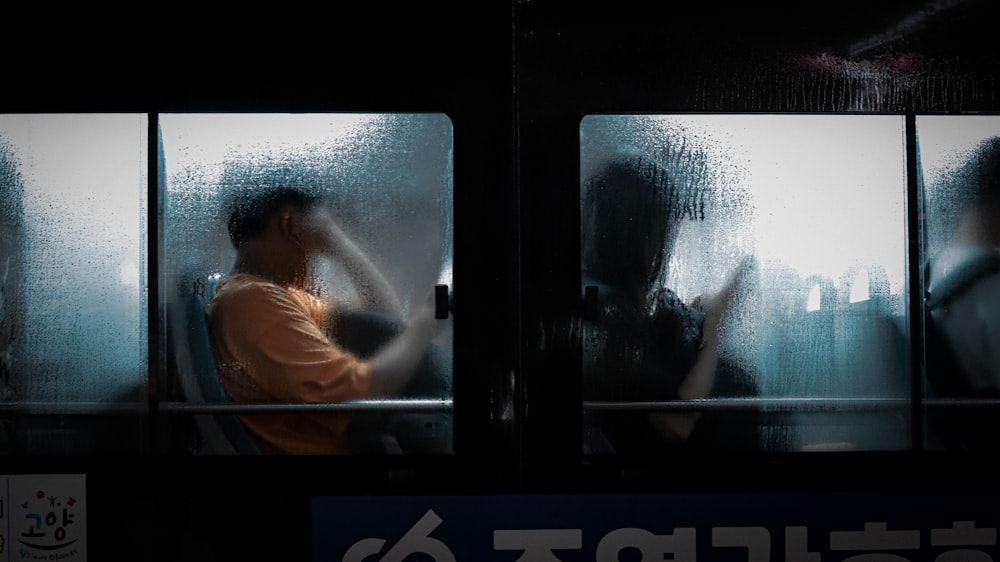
{"x":364,"y":252}
{"x":73,"y":353}
{"x":959,"y":159}
{"x":744,"y":283}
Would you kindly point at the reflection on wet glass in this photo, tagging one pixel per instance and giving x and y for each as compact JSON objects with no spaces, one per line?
{"x":72,"y":303}
{"x":801,"y":220}
{"x":388,"y":179}
{"x":960,"y":169}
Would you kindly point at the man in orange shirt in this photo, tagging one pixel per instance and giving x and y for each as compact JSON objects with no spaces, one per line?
{"x":272,"y":336}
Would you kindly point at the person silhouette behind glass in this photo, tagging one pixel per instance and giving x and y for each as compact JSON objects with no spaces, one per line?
{"x":646,"y":344}
{"x":275,"y":340}
{"x":963,"y":303}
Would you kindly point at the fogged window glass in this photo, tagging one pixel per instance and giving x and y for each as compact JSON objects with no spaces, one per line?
{"x":72,"y":301}
{"x":299,"y":251}
{"x":758,"y":260}
{"x":960,"y":170}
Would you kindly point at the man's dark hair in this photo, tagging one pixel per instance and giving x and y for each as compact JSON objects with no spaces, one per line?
{"x":252,"y":209}
{"x":982,"y":172}
{"x":969,"y":184}
{"x":631,"y":212}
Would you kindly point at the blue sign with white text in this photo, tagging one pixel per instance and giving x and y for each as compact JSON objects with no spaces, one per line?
{"x":892,"y":526}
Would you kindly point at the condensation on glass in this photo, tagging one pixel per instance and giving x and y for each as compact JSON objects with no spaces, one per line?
{"x":959,"y":162}
{"x":73,"y":349}
{"x":390,"y":177}
{"x":808,"y":213}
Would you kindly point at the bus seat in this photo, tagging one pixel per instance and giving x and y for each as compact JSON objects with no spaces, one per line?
{"x":203,"y":364}
{"x":196,"y":376}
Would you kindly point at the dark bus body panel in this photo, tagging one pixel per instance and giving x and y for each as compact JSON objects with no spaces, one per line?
{"x":517,"y":81}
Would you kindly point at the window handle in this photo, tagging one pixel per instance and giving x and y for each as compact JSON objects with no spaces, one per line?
{"x":441,"y":305}
{"x":590,"y":302}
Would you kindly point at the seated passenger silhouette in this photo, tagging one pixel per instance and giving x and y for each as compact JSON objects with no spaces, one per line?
{"x":646,"y":343}
{"x":275,"y":340}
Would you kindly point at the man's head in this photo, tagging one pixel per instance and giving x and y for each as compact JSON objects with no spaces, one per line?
{"x":252,"y":211}
{"x":277,"y":232}
{"x":631,"y":212}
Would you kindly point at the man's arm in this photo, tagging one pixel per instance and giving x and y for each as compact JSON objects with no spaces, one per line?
{"x":395,"y":364}
{"x":700,"y":379}
{"x":368,"y":280}
{"x":371,"y":284}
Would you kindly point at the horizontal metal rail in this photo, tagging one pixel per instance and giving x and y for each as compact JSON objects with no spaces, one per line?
{"x":446,"y":405}
{"x":806,"y":405}
{"x":398,"y":405}
{"x":142,"y":408}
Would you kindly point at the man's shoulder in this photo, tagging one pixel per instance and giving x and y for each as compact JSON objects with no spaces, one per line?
{"x":237,"y":282}
{"x":242,"y":289}
{"x":246,"y":295}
